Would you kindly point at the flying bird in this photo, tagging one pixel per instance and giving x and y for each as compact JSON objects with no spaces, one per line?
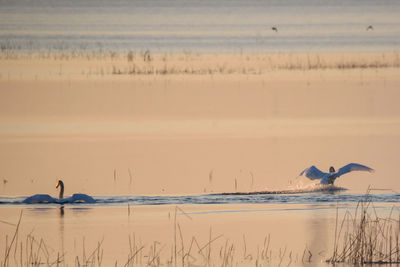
{"x":370,"y":27}
{"x":275,"y":29}
{"x":313,"y":173}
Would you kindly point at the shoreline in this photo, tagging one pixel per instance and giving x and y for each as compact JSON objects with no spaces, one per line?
{"x":147,"y":64}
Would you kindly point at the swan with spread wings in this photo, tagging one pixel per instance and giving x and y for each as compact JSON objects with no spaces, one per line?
{"x":44,"y":198}
{"x":313,"y":173}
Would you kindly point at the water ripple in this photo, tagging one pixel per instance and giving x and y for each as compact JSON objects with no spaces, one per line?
{"x":228,"y":198}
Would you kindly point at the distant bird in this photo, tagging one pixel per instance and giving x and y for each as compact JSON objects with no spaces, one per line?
{"x":275,"y":29}
{"x":313,"y":173}
{"x":370,"y":27}
{"x":44,"y":198}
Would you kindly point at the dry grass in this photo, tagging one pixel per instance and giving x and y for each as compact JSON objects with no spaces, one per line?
{"x":35,"y":252}
{"x":214,"y":251}
{"x":365,"y":238}
{"x":145,"y":63}
{"x":360,"y":238}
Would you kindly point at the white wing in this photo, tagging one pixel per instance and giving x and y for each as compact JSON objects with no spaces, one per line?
{"x":82,"y":198}
{"x":77,"y":198}
{"x":353,"y":167}
{"x":39,"y":198}
{"x":313,"y":173}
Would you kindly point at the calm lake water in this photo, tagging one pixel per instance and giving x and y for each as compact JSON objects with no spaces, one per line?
{"x":159,"y":176}
{"x":192,"y":26}
{"x":271,"y":197}
{"x":294,"y":223}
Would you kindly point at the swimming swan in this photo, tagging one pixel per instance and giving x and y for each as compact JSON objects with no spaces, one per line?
{"x":313,"y":173}
{"x":44,"y":198}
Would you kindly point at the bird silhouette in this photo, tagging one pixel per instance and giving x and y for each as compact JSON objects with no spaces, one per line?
{"x":313,"y":173}
{"x":44,"y":198}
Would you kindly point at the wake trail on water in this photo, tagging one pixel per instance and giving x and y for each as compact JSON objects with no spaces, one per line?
{"x":299,"y":193}
{"x":294,"y":189}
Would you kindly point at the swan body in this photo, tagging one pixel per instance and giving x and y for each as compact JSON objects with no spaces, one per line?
{"x":313,"y":173}
{"x":44,"y":198}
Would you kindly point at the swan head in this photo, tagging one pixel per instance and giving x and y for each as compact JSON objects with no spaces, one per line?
{"x":331,"y":170}
{"x":60,"y":183}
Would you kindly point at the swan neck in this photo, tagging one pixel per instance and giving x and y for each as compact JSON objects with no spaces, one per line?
{"x":61,"y":194}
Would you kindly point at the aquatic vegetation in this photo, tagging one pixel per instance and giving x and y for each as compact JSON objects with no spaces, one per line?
{"x":366,"y":238}
{"x":213,"y":250}
{"x":360,"y":238}
{"x":35,"y":252}
{"x":146,"y":63}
